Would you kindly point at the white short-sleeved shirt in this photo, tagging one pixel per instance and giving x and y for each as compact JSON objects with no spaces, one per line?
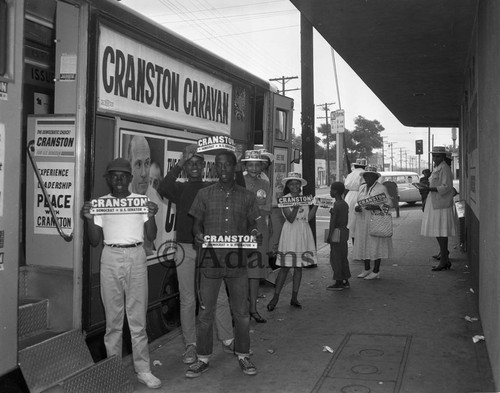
{"x":122,"y":228}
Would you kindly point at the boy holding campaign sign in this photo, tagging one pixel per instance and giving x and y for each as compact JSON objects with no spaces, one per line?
{"x":124,"y":284}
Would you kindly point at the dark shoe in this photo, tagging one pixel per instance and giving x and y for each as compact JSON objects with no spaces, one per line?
{"x":346,"y":284}
{"x":440,"y":267}
{"x":256,"y":316}
{"x":272,"y":304}
{"x":196,"y":369}
{"x":338,"y":286}
{"x":247,"y":366}
{"x":189,"y":357}
{"x":437,"y":257}
{"x":295,"y":303}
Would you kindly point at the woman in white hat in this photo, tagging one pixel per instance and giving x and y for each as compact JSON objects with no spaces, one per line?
{"x":296,"y":245}
{"x":258,"y":261}
{"x":367,"y":247}
{"x":352,"y":183}
{"x":439,"y":219}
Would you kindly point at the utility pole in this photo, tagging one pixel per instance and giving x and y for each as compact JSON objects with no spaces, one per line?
{"x":284,"y":80}
{"x":326,"y":109}
{"x":392,"y":155}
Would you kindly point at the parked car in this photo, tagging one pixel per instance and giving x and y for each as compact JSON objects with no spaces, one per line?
{"x":408,"y":193}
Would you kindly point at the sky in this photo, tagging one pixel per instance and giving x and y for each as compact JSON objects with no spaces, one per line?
{"x":263,"y":37}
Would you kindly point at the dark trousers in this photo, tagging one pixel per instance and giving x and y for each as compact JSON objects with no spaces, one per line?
{"x":338,"y":257}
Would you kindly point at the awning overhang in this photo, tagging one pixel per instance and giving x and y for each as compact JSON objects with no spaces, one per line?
{"x":411,"y":53}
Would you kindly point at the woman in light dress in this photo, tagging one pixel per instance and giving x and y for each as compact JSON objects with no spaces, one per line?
{"x":439,"y":219}
{"x":369,"y":247}
{"x":352,"y":183}
{"x":296,"y":245}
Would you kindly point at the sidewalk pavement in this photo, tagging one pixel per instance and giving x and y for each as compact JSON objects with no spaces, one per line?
{"x":405,"y":332}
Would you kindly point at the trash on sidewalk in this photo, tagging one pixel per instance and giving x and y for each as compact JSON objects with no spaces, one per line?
{"x":271,"y":351}
{"x":477,"y":338}
{"x":326,"y":348}
{"x":471,"y":319}
{"x":157,"y":363}
{"x":472,"y":290}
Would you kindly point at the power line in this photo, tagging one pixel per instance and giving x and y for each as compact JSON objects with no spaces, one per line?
{"x":284,"y":80}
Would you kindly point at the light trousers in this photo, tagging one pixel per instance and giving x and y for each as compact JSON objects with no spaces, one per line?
{"x":186,"y":276}
{"x":124,"y":288}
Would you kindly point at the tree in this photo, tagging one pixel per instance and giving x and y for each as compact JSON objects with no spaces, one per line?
{"x":364,"y":138}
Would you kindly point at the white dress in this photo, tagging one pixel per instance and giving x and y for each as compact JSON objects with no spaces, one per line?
{"x":296,"y":246}
{"x":352,"y":183}
{"x":366,"y":246}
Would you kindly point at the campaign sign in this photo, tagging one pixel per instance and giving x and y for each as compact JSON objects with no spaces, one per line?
{"x":131,"y":205}
{"x":290,"y":201}
{"x":324,"y":202}
{"x":229,"y":241}
{"x":378,"y":199}
{"x":215,"y":143}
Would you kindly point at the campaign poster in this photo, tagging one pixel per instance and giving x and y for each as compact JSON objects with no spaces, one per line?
{"x":55,"y":137}
{"x":59,"y":181}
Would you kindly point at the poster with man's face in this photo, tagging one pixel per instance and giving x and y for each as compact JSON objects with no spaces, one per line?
{"x":151,"y":156}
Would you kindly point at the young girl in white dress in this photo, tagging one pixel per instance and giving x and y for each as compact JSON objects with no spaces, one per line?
{"x":296,"y":246}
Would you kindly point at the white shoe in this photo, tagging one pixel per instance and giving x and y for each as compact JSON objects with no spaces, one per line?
{"x":372,"y":276}
{"x":364,"y":273}
{"x":149,"y":380}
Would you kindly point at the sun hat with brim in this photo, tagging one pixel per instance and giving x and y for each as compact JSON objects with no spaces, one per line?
{"x":294,"y":176}
{"x":266,"y":154}
{"x":119,"y":165}
{"x":439,"y":150}
{"x":370,"y":170}
{"x":253,"y":155}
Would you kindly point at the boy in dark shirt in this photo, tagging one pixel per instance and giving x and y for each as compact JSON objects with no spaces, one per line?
{"x":183,"y":194}
{"x":339,"y":216}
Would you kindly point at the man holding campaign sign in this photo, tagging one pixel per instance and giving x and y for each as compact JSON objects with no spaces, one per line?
{"x":182,"y":194}
{"x":220,"y":210}
{"x":123,"y":221}
{"x":373,"y":200}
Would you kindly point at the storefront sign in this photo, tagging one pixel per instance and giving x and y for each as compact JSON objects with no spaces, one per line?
{"x":138,"y":80}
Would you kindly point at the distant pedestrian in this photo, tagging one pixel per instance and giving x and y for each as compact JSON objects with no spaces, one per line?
{"x":339,"y":216}
{"x":439,"y":219}
{"x":369,"y":247}
{"x":424,"y":181}
{"x":352,"y":183}
{"x":296,"y":245}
